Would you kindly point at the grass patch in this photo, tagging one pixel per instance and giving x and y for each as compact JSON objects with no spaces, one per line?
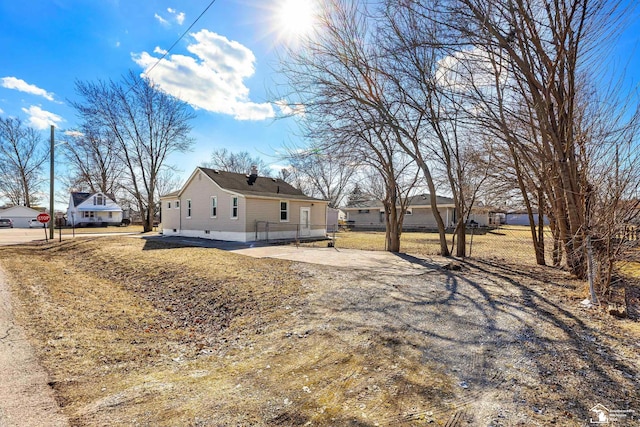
{"x":102,"y":230}
{"x":136,"y":332}
{"x":510,"y":243}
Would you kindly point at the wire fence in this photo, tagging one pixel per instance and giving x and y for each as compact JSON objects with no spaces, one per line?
{"x":511,"y":243}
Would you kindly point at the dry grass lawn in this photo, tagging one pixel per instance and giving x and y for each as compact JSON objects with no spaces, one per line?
{"x":142,"y":332}
{"x":512,"y":243}
{"x":136,"y":332}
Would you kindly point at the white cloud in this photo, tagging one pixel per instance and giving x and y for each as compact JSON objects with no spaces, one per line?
{"x":41,"y":119}
{"x":118,"y":44}
{"x":290,"y":109}
{"x":74,"y":133}
{"x":22,"y":86}
{"x":159,"y":50}
{"x":177,"y":16}
{"x":213,"y":79}
{"x":1,"y":111}
{"x":161,"y":19}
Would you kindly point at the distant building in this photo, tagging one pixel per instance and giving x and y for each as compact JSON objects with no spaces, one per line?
{"x":93,"y":209}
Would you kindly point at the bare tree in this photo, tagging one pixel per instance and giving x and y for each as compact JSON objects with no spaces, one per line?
{"x":146,"y":123}
{"x":539,"y":56}
{"x":21,"y":160}
{"x":338,"y":79}
{"x":326,"y":174}
{"x":240,"y":162}
{"x":93,"y":160}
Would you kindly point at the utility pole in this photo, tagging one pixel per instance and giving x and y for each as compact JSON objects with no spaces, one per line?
{"x":51,"y":221}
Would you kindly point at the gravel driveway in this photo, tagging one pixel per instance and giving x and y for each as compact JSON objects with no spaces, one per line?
{"x":520,"y":347}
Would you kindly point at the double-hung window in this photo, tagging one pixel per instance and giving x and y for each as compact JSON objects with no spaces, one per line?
{"x":284,"y":211}
{"x":214,"y":206}
{"x":234,"y":207}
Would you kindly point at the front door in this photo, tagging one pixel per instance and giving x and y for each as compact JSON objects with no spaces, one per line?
{"x":305,"y":222}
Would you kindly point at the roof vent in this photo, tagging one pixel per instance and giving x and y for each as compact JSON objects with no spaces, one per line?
{"x":254,"y":175}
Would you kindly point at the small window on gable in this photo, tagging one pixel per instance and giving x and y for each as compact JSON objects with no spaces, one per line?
{"x":363,"y":211}
{"x":177,"y":204}
{"x":408,"y":212}
{"x":188,"y":208}
{"x":214,"y":206}
{"x":284,"y":211}
{"x":234,"y":207}
{"x":168,"y":205}
{"x":99,"y":200}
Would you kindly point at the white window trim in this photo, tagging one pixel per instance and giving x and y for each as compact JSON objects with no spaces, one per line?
{"x":214,"y":204}
{"x":189,"y":206}
{"x":408,"y":212}
{"x":280,"y":210}
{"x":168,"y":205}
{"x":237,"y":199}
{"x":177,"y":204}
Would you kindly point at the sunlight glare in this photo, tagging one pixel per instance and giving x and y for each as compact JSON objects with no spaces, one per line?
{"x":295,"y":18}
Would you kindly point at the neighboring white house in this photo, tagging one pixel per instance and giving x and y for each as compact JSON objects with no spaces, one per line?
{"x":93,"y":209}
{"x":221,"y":205}
{"x":20,"y":215}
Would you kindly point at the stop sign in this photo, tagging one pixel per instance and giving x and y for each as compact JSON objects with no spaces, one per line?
{"x":43,"y":218}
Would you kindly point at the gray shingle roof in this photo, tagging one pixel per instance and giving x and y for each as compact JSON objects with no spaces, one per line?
{"x":419,"y":200}
{"x":79,"y":197}
{"x":261,"y":187}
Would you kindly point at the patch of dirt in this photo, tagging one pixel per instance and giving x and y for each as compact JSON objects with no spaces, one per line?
{"x":161,"y":335}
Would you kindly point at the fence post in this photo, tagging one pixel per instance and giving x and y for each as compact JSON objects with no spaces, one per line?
{"x":471,"y":242}
{"x":591,"y":273}
{"x":297,"y":235}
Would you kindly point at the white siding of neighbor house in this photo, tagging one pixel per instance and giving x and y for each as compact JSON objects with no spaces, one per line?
{"x":75,"y":214}
{"x":20,"y":215}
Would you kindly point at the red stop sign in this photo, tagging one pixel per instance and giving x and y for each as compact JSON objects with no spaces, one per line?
{"x":43,"y":218}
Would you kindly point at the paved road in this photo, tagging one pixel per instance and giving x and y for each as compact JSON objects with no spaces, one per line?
{"x":25,"y":398}
{"x":16,"y":236}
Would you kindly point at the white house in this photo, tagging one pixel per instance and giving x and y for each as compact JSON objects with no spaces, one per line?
{"x":221,"y":205}
{"x":93,"y":209}
{"x":20,"y":215}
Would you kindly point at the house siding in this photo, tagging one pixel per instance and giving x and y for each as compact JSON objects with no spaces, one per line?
{"x":253,"y":214}
{"x":421,"y":217}
{"x":199,"y":191}
{"x":99,"y":214}
{"x":20,"y":215}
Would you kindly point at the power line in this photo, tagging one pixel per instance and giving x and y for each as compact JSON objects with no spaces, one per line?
{"x":180,"y":38}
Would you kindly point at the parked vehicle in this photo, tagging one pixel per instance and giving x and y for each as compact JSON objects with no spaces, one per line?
{"x":6,"y":223}
{"x":34,"y":223}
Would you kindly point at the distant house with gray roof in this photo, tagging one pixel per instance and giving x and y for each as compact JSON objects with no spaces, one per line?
{"x":369,"y":215}
{"x":93,"y":209}
{"x":220,"y":205}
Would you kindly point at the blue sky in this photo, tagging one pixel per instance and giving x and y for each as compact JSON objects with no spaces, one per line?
{"x":224,"y":66}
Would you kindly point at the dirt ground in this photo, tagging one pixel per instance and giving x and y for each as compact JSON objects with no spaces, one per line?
{"x":25,"y":398}
{"x":383,"y":340}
